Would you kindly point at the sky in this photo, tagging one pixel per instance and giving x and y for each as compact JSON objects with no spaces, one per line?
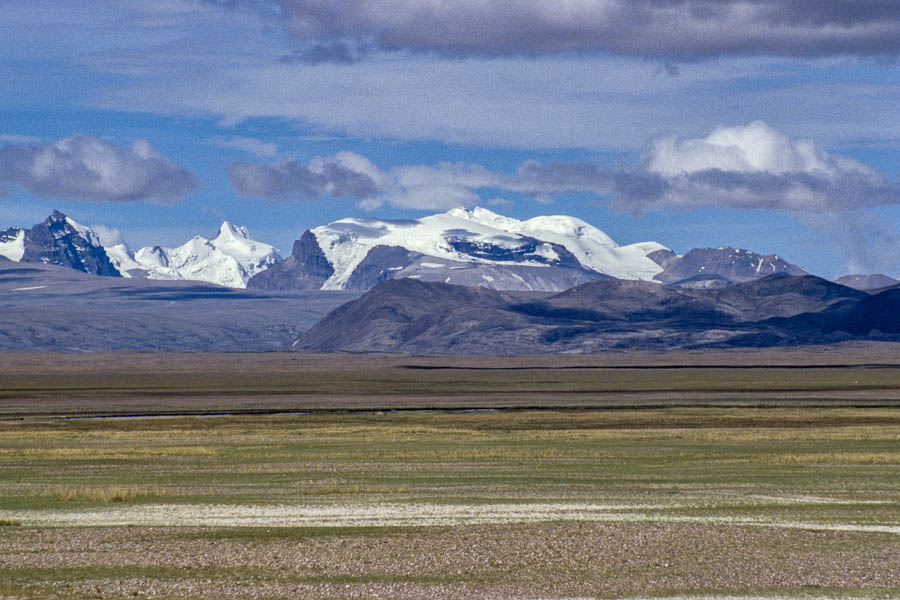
{"x":770,"y":125}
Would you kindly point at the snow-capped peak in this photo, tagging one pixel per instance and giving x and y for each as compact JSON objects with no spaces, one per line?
{"x":86,"y":232}
{"x":484,"y":217}
{"x":230,"y":259}
{"x":227,"y":230}
{"x":481,"y":236}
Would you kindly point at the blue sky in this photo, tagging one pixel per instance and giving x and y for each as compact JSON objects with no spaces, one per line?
{"x":763,"y":124}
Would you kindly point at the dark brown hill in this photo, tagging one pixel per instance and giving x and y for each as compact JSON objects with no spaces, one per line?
{"x":416,"y":316}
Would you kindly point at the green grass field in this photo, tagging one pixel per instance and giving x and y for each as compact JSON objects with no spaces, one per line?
{"x":724,"y":484}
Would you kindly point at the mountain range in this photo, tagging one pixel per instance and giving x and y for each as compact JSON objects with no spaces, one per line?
{"x":230,"y":259}
{"x":474,"y":247}
{"x":54,"y":298}
{"x":480,"y":248}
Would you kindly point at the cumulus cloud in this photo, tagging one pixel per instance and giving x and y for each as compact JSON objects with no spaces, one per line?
{"x":293,"y":180}
{"x":755,"y":166}
{"x":668,"y":29}
{"x":755,"y":147}
{"x":745,"y":167}
{"x":84,"y":167}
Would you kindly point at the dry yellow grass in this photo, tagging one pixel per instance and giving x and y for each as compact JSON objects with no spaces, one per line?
{"x":108,"y":494}
{"x":118,"y":453}
{"x":840,"y":458}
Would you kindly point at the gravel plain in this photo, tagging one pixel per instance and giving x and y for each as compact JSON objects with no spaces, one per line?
{"x":536,"y":560}
{"x":656,"y":479}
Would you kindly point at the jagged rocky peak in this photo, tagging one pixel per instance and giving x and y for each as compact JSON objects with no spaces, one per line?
{"x":58,"y":240}
{"x":475,"y":247}
{"x":227,"y":230}
{"x":230,"y":259}
{"x":306,"y":268}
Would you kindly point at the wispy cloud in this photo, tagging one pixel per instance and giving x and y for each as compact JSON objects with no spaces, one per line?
{"x":84,"y":167}
{"x":109,"y":236}
{"x":246,"y":144}
{"x":599,"y":103}
{"x":648,"y":28}
{"x":17,"y":139}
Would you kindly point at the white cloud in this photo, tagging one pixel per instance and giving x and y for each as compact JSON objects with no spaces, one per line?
{"x":109,"y":236}
{"x":434,"y":197}
{"x":741,"y":167}
{"x":292,"y":180}
{"x":752,"y":148}
{"x":84,"y":167}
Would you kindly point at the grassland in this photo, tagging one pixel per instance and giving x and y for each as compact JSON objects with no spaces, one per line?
{"x":756,"y":474}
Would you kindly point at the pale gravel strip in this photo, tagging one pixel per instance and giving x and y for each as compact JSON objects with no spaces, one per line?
{"x":332,"y":515}
{"x":751,"y":598}
{"x":813,"y":500}
{"x":393,"y":515}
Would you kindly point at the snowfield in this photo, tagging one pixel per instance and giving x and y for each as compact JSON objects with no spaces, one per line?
{"x":346,"y":242}
{"x":229,"y":259}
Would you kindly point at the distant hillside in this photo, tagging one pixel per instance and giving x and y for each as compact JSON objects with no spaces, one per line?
{"x":608,"y":314}
{"x":867,"y":282}
{"x":48,"y":307}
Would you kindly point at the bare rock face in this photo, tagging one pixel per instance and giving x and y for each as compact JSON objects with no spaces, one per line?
{"x":663,"y":257}
{"x":305,"y":269}
{"x":61,"y":241}
{"x":718,"y":267}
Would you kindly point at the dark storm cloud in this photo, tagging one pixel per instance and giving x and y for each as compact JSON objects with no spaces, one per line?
{"x":84,"y":167}
{"x":294,"y":180}
{"x":667,"y":29}
{"x":637,"y":191}
{"x":791,"y":192}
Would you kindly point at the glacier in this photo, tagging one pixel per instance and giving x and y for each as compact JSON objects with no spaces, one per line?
{"x":478,"y":235}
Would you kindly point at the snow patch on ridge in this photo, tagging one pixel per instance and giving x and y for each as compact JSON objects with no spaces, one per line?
{"x":14,"y":249}
{"x":86,"y":232}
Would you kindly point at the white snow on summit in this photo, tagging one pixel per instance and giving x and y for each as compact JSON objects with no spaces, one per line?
{"x":346,"y":242}
{"x":229,"y":259}
{"x":14,"y":249}
{"x":86,"y":232}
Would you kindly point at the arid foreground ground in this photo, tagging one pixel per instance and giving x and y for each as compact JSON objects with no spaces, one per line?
{"x":755,"y":474}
